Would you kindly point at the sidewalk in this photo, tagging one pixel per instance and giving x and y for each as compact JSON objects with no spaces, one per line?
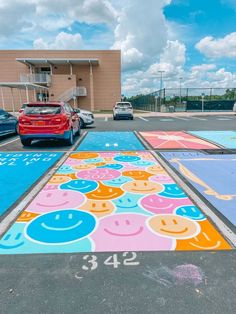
{"x":170,"y":114}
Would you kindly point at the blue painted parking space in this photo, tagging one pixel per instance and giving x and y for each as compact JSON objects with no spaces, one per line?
{"x":214,"y":176}
{"x":18,"y":171}
{"x":110,"y":141}
{"x":226,"y":139}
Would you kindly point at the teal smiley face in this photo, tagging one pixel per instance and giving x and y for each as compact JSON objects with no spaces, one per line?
{"x":65,"y":169}
{"x":94,"y":160}
{"x":129,"y":203}
{"x":60,"y":227}
{"x":143,"y":163}
{"x":112,"y":166}
{"x":173,"y":191}
{"x":118,"y":181}
{"x":191,"y":212}
{"x":83,"y":186}
{"x":127,"y":158}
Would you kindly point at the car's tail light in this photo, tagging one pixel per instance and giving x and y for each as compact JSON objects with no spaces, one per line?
{"x":24,"y":121}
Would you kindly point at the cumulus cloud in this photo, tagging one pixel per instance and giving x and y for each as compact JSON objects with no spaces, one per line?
{"x":62,"y":41}
{"x":217,"y":48}
{"x":141,"y":32}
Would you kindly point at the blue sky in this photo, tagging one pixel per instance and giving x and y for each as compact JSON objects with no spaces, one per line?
{"x":192,"y":39}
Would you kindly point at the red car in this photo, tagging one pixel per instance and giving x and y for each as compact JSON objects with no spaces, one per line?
{"x":48,"y":120}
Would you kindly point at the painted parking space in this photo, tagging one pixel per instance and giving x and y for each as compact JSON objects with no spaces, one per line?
{"x":213,"y":176}
{"x":110,"y":141}
{"x":111,"y":201}
{"x":175,"y":140}
{"x":18,"y":171}
{"x":226,"y":139}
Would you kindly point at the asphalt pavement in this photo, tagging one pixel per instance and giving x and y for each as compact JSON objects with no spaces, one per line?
{"x":134,"y":282}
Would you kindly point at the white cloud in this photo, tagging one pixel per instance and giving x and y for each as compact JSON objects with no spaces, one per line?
{"x":62,"y":41}
{"x":141,"y":32}
{"x":217,"y":48}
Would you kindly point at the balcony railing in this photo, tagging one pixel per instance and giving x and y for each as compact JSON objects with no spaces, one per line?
{"x":38,"y":78}
{"x":73,"y":92}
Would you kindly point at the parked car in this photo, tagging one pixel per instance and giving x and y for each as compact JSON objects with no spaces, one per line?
{"x":234,"y":107}
{"x":8,"y":123}
{"x":123,"y":109}
{"x":48,"y":120}
{"x":86,"y":117}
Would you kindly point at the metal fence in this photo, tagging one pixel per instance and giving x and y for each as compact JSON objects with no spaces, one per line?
{"x":186,"y":99}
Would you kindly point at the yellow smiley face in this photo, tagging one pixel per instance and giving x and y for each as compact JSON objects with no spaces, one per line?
{"x":137,"y":174}
{"x":58,"y":179}
{"x":26,"y":216}
{"x":156,"y":169}
{"x":174,"y":226}
{"x":98,"y":208}
{"x":84,"y":167}
{"x":142,"y":187}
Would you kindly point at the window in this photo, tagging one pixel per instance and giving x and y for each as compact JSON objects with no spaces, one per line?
{"x":36,"y":109}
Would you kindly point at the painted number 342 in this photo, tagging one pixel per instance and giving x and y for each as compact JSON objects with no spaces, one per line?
{"x":128,"y":259}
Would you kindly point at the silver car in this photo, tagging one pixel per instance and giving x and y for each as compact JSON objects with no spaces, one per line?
{"x":123,"y":109}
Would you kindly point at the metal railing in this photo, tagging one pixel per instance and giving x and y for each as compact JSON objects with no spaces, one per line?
{"x":73,"y":92}
{"x":38,"y":78}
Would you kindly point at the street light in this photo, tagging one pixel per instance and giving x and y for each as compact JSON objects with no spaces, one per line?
{"x":180,"y":91}
{"x":161,"y":83}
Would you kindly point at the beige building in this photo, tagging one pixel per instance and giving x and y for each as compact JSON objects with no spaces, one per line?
{"x":87,"y":79}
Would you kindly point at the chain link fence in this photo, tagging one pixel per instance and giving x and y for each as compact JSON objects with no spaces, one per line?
{"x":186,"y":99}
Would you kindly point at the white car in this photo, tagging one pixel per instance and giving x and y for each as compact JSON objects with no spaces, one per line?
{"x":123,"y":109}
{"x":86,"y":117}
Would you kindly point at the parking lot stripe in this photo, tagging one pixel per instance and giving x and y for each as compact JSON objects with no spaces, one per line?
{"x":106,"y":119}
{"x":223,"y":119}
{"x":142,"y":118}
{"x":196,"y":118}
{"x":17,"y":139}
{"x":184,"y":119}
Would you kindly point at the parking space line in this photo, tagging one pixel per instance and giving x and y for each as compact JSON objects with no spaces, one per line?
{"x":223,"y":119}
{"x":106,"y":119}
{"x":184,"y":119}
{"x":142,"y":118}
{"x":166,"y":120}
{"x":8,"y":142}
{"x":196,"y":118}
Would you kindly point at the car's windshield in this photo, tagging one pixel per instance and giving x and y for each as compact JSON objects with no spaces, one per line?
{"x":123,"y":105}
{"x":35,"y":109}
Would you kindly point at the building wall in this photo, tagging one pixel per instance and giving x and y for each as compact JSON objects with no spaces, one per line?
{"x":107,"y":76}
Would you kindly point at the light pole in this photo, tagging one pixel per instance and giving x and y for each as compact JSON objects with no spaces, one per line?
{"x":180,"y":90}
{"x":161,"y":83}
{"x":203,"y":95}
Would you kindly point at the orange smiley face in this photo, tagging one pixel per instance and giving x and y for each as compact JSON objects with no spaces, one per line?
{"x":208,"y":239}
{"x":26,"y":216}
{"x":142,"y":187}
{"x":174,"y":226}
{"x":84,"y":167}
{"x":84,"y":155}
{"x":130,"y":153}
{"x":156,"y":169}
{"x":59,"y":179}
{"x":98,"y":208}
{"x":105,"y":193}
{"x":137,"y":174}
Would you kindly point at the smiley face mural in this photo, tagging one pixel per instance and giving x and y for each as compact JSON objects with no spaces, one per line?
{"x":99,"y":202}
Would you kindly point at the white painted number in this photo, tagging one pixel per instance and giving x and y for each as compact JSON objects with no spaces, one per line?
{"x":112,"y":260}
{"x":130,"y":261}
{"x":92,"y":260}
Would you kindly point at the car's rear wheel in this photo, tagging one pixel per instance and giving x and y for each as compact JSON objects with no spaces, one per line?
{"x":114,"y":118}
{"x":26,"y":142}
{"x":78,"y":132}
{"x":17,"y":129}
{"x":70,"y":140}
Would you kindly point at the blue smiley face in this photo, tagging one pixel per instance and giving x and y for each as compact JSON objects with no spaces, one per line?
{"x":144,"y":163}
{"x":83,"y":186}
{"x":60,"y":227}
{"x":94,"y":160}
{"x":15,"y":242}
{"x":191,"y":212}
{"x":118,"y":181}
{"x":172,"y":191}
{"x":127,"y":158}
{"x":64,"y":169}
{"x":129,"y":203}
{"x":112,"y":166}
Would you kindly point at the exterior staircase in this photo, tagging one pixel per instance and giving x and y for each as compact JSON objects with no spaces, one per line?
{"x":73,"y":92}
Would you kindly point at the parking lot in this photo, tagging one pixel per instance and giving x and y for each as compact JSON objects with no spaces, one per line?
{"x":143,"y":209}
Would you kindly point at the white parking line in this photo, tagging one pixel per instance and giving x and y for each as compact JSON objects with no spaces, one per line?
{"x":142,"y":118}
{"x":223,"y":119}
{"x":106,"y":119}
{"x":17,"y":139}
{"x":166,"y":120}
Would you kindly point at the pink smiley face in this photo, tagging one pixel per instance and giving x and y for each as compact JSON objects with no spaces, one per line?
{"x":157,"y":204}
{"x":99,"y":174}
{"x":47,"y":201}
{"x":73,"y":162}
{"x":128,"y":232}
{"x":162,"y":178}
